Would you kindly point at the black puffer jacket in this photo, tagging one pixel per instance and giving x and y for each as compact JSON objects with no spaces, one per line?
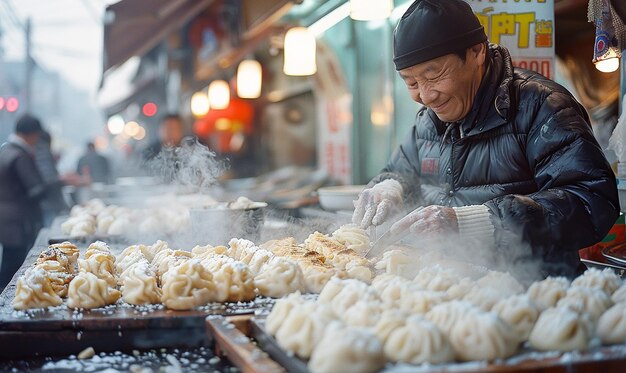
{"x":525,"y":150}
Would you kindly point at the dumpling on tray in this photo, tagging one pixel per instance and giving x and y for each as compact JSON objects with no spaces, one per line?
{"x":88,"y":291}
{"x":34,"y":290}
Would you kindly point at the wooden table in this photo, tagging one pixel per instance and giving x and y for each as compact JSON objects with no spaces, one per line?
{"x":60,"y":330}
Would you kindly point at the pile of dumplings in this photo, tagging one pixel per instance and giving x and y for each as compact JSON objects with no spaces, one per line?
{"x":321,"y":256}
{"x":59,"y":273}
{"x":95,"y":217}
{"x":183,"y":280}
{"x":439,"y":317}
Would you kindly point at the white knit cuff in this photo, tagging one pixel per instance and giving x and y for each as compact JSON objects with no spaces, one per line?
{"x":474,"y":222}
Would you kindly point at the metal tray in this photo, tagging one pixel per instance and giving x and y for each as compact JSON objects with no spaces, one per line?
{"x":616,"y":253}
{"x":596,"y":359}
{"x":268,"y":344}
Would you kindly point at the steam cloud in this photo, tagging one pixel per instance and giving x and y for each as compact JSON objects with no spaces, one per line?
{"x":190,"y":165}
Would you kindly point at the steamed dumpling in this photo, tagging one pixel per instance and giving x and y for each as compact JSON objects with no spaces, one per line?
{"x":587,"y":300}
{"x":394,"y":262}
{"x":435,"y":278}
{"x":83,"y":228}
{"x":234,"y":283}
{"x":98,"y":247}
{"x":129,"y":256}
{"x":151,"y":251}
{"x":447,"y":315}
{"x":351,"y":292}
{"x":501,"y":281}
{"x":208,"y":251}
{"x":357,"y":270}
{"x":258,"y":260}
{"x":460,"y":289}
{"x":88,"y":291}
{"x":323,"y":244}
{"x":363,"y":313}
{"x":353,"y":237}
{"x":519,"y":312}
{"x":119,"y":226}
{"x":281,"y":309}
{"x":58,"y":276}
{"x":104,"y":223}
{"x":58,"y":256}
{"x":606,"y":280}
{"x":619,"y":295}
{"x":69,"y":249}
{"x":316,"y":276}
{"x":612,"y":325}
{"x":417,"y":301}
{"x":169,"y":259}
{"x":34,"y":290}
{"x":389,"y":320}
{"x":140,"y":285}
{"x":302,"y":329}
{"x":280,"y":277}
{"x":347,"y":350}
{"x":548,"y":292}
{"x":331,"y":289}
{"x":391,"y":290}
{"x":237,"y":248}
{"x":187,"y":286}
{"x":485,"y":297}
{"x":418,"y":341}
{"x":101,"y":265}
{"x":483,"y":336}
{"x":561,"y":329}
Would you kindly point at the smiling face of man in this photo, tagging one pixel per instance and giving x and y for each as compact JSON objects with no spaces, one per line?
{"x":447,"y":84}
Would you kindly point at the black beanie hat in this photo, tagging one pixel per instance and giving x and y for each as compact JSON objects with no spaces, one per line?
{"x":28,"y":124}
{"x":434,"y":28}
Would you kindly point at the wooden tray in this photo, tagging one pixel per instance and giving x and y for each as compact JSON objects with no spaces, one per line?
{"x":231,"y":337}
{"x":600,"y":359}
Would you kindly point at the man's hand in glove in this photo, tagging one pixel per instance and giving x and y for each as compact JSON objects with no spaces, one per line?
{"x":426,"y":221}
{"x":375,"y":204}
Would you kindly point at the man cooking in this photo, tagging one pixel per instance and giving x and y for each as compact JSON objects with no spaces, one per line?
{"x":497,"y":154}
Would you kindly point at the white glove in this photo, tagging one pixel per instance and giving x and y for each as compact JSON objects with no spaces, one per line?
{"x":426,"y":220}
{"x":375,"y":204}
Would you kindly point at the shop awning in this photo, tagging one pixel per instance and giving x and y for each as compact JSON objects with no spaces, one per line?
{"x":134,"y":27}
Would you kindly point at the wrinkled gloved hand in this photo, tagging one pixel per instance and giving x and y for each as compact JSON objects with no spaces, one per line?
{"x":428,"y":220}
{"x":375,"y":204}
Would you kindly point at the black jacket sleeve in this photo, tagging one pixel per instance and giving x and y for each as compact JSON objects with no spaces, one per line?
{"x":576,"y":203}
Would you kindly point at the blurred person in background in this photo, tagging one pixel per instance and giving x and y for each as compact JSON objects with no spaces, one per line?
{"x":171,"y":133}
{"x":21,"y":190}
{"x":93,"y":166}
{"x":52,"y":203}
{"x":161,"y":158}
{"x":499,"y":155}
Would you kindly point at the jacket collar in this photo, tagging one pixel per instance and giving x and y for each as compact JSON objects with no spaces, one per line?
{"x":494,"y":106}
{"x":499,"y":104}
{"x":20,"y":143}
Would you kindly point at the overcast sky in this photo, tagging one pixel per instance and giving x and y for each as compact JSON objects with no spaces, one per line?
{"x":66,"y":35}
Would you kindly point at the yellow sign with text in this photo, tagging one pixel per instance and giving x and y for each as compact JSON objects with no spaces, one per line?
{"x":525,"y":27}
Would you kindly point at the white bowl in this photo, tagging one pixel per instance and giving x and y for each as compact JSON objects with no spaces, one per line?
{"x":339,"y":197}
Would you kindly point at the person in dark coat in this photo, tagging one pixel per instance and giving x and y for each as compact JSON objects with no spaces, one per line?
{"x":53,"y":203}
{"x":171,"y":133}
{"x":94,"y":166}
{"x":498,"y":154}
{"x":21,"y":189}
